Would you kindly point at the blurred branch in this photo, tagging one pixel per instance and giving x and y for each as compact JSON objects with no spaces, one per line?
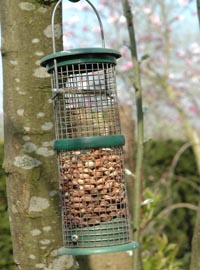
{"x":140,"y":136}
{"x":194,"y":185}
{"x":198,"y":10}
{"x":165,"y":214}
{"x":177,"y":157}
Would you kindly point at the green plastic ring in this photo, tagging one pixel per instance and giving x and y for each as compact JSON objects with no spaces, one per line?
{"x":89,"y":142}
{"x":98,"y":250}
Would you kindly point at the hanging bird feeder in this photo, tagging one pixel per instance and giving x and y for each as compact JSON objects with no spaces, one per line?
{"x":89,"y":144}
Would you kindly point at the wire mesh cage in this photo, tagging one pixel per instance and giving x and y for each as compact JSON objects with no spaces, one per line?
{"x":93,"y":194}
{"x":86,"y":102}
{"x":89,"y":144}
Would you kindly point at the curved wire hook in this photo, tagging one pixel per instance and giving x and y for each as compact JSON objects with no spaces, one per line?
{"x":53,"y":20}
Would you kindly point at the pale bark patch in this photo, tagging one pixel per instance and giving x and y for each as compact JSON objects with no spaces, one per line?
{"x":26,"y":6}
{"x":47,"y":126}
{"x":39,"y":53}
{"x":42,"y":10}
{"x":43,"y":248}
{"x":29,"y":147}
{"x":38,"y":204}
{"x":40,"y":265}
{"x":35,"y":40}
{"x":27,"y":128}
{"x":14,"y":209}
{"x":37,"y":63}
{"x":26,"y":162}
{"x":35,"y":232}
{"x":57,"y":29}
{"x":40,"y":114}
{"x":45,"y":242}
{"x":32,"y":257}
{"x":47,"y":144}
{"x":62,"y":263}
{"x":13,"y":62}
{"x":47,"y":228}
{"x":44,"y":151}
{"x":53,"y":193}
{"x":26,"y":138}
{"x":40,"y":72}
{"x":20,"y":112}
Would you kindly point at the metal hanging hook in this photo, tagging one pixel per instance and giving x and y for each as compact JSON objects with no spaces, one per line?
{"x":53,"y":20}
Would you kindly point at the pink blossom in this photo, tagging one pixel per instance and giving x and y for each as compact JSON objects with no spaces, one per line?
{"x":127,"y":66}
{"x":85,"y":28}
{"x":83,"y":6}
{"x":183,"y":2}
{"x":180,"y":53}
{"x":195,"y":79}
{"x":112,"y":19}
{"x":74,"y":19}
{"x":96,"y":30}
{"x":195,"y":48}
{"x":171,"y":76}
{"x":193,"y":109}
{"x":188,"y":61}
{"x":67,"y":33}
{"x":122,"y":19}
{"x":155,"y":19}
{"x":179,"y":18}
{"x":147,"y":10}
{"x":66,"y":43}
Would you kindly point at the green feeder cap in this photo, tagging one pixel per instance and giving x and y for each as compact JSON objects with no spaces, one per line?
{"x":93,"y":56}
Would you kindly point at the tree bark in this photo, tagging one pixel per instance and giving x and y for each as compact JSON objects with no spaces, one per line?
{"x":30,"y":162}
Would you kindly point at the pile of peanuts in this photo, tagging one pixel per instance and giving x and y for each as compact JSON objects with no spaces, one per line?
{"x":92,"y":186}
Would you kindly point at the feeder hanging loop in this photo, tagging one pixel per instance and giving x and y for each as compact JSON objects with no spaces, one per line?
{"x":74,"y":1}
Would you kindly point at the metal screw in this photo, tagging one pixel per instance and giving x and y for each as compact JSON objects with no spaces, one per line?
{"x":74,"y":238}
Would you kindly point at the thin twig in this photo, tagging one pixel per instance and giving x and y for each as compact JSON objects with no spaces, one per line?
{"x":165,"y":214}
{"x":177,"y":157}
{"x":140,"y":134}
{"x":198,"y":10}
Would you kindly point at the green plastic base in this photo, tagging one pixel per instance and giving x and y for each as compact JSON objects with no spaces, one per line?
{"x":98,"y":250}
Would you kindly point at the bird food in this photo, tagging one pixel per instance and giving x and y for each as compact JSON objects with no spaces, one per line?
{"x":92,"y":186}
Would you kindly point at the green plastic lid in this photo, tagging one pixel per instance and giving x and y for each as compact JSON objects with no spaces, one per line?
{"x":83,"y":56}
{"x":89,"y":142}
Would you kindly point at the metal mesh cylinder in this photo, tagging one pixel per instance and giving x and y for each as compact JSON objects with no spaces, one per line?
{"x":90,"y":155}
{"x":86,"y":102}
{"x":94,"y":200}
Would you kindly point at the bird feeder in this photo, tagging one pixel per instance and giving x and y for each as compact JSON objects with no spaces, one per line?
{"x":89,"y":144}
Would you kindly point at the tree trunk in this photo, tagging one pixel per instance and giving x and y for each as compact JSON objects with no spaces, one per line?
{"x":30,"y":162}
